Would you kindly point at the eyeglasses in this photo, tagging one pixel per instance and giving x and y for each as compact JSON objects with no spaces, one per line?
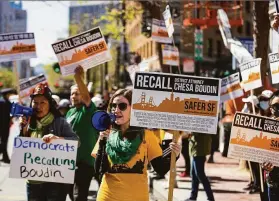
{"x":275,"y":106}
{"x":121,"y":106}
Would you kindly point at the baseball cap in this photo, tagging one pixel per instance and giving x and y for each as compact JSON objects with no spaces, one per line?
{"x":266,"y":94}
{"x":56,"y":98}
{"x":64,"y":103}
{"x":251,"y":99}
{"x":98,"y":102}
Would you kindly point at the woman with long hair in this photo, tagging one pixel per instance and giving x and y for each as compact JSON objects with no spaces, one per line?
{"x":47,"y":124}
{"x":124,"y":152}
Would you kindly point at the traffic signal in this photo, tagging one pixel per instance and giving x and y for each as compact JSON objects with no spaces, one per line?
{"x":56,"y":68}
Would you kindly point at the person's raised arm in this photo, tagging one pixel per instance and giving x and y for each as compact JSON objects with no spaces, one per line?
{"x":79,"y":77}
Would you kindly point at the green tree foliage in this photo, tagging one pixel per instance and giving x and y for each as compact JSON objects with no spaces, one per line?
{"x":7,"y":79}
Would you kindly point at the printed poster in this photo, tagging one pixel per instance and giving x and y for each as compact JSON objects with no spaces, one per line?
{"x":87,"y":49}
{"x":188,"y":66}
{"x":160,"y":32}
{"x":170,"y":55}
{"x":33,"y":159}
{"x":17,"y":46}
{"x":168,"y":21}
{"x":251,"y":74}
{"x":274,"y":67}
{"x":254,"y":138}
{"x":175,"y":102}
{"x":27,"y":86}
{"x":230,"y":87}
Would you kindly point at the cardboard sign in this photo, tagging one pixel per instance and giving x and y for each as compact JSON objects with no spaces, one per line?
{"x":188,"y":66}
{"x":27,"y":87}
{"x":160,"y":32}
{"x":251,"y":74}
{"x":170,"y":55}
{"x":230,"y":87}
{"x":254,"y":138}
{"x":175,"y":102}
{"x":17,"y":46}
{"x":33,"y":159}
{"x":274,"y":67}
{"x":87,"y":49}
{"x":224,"y":26}
{"x":168,"y":21}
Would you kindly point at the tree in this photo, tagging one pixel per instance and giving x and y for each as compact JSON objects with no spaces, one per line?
{"x":7,"y":79}
{"x":261,"y":26}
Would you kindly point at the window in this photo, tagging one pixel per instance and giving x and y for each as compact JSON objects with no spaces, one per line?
{"x":248,"y":28}
{"x":247,"y":6}
{"x":209,"y":47}
{"x":219,"y":48}
{"x":239,"y":30}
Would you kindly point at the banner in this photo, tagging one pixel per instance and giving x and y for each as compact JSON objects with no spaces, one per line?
{"x":254,"y":138}
{"x":170,"y":55}
{"x":274,"y":67}
{"x":17,"y":46}
{"x":251,"y":74}
{"x":168,"y":21}
{"x":175,"y":102}
{"x":27,"y":86}
{"x":87,"y":49}
{"x":159,"y":32}
{"x":33,"y":159}
{"x":230,"y":87}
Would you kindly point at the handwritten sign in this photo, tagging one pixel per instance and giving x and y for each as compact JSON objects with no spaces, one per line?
{"x":33,"y":159}
{"x":87,"y":49}
{"x":17,"y":46}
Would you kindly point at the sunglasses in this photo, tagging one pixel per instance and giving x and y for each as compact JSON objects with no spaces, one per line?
{"x":121,"y":106}
{"x":275,"y":106}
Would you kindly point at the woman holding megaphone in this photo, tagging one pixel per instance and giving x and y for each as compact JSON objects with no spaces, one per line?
{"x":47,"y":124}
{"x":127,"y":152}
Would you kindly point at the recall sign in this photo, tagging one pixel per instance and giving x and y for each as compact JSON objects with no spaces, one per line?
{"x":254,"y":138}
{"x":175,"y":102}
{"x":33,"y":159}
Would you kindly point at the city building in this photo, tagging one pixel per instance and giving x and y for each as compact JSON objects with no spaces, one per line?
{"x":14,"y":19}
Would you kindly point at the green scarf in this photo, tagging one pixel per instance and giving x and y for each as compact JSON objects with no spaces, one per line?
{"x":122,"y":150}
{"x":38,"y":132}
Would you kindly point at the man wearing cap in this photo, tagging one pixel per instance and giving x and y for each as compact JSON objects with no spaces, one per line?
{"x":264,"y":107}
{"x":80,"y":118}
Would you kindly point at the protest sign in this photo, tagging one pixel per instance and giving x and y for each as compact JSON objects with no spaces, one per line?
{"x":251,"y":74}
{"x":87,"y":49}
{"x":230,"y":87}
{"x":17,"y":46}
{"x":175,"y":102}
{"x":170,"y":55}
{"x":188,"y":66}
{"x":159,"y":32}
{"x":168,"y":21}
{"x":33,"y":159}
{"x":274,"y":67}
{"x":224,"y":26}
{"x":254,"y":138}
{"x":27,"y":86}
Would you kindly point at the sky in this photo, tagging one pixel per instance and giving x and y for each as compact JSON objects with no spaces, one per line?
{"x":49,"y":21}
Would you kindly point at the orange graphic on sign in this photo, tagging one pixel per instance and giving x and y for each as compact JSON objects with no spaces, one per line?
{"x":231,"y":89}
{"x":258,"y":141}
{"x":252,"y":77}
{"x":193,"y":106}
{"x":88,"y":51}
{"x":275,"y":71}
{"x":171,"y":57}
{"x":161,"y":33}
{"x":18,"y":48}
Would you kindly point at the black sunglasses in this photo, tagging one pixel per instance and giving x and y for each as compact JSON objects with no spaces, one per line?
{"x":121,"y":106}
{"x":275,"y":106}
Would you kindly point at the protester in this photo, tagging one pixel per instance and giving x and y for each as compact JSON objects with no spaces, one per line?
{"x":186,"y":155}
{"x":254,"y":185}
{"x":124,"y":156}
{"x":80,"y":118}
{"x":5,"y":107}
{"x":64,"y":106}
{"x":47,"y":124}
{"x":272,"y":176}
{"x":199,"y":148}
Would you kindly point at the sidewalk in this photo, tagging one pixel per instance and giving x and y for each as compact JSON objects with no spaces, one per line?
{"x":226,"y":181}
